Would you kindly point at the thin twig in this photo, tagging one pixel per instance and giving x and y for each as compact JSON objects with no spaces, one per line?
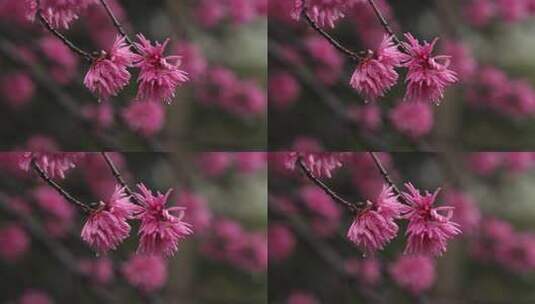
{"x":354,"y":56}
{"x":387,"y":178}
{"x":120,"y":178}
{"x":117,"y":24}
{"x":354,"y":208}
{"x":58,"y":188}
{"x":386,"y":26}
{"x":60,"y":36}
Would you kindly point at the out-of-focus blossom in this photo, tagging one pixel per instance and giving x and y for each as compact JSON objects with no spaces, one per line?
{"x":148,"y":273}
{"x":99,"y":270}
{"x":283,"y":89}
{"x":302,"y":297}
{"x":146,"y":118}
{"x":14,"y":242}
{"x":214,"y":163}
{"x":35,"y":296}
{"x":413,"y":119}
{"x":281,"y":241}
{"x":413,"y":273}
{"x":17,"y":88}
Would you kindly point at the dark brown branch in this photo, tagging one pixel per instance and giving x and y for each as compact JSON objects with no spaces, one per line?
{"x":58,"y":188}
{"x":120,"y":178}
{"x":60,"y":36}
{"x":117,"y":24}
{"x":354,"y":208}
{"x":354,"y":56}
{"x":387,"y":178}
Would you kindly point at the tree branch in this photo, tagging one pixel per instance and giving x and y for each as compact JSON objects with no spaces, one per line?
{"x":117,"y":24}
{"x":354,"y":208}
{"x":120,"y":178}
{"x":58,"y":188}
{"x":387,"y":178}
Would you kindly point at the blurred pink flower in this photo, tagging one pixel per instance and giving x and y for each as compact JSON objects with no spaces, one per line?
{"x":199,"y":214}
{"x":214,"y":163}
{"x":14,"y":242}
{"x":52,"y":203}
{"x":59,"y":13}
{"x":281,"y":242}
{"x":108,"y":73}
{"x":148,"y":273}
{"x":147,"y":118}
{"x":249,"y":252}
{"x":368,"y":116}
{"x":462,"y":59}
{"x":484,"y":163}
{"x":413,"y":273}
{"x":301,"y":297}
{"x":17,"y":88}
{"x":467,"y":213}
{"x":35,"y":296}
{"x":194,"y":62}
{"x":160,"y":231}
{"x":159,"y":75}
{"x":480,"y":12}
{"x":247,"y":99}
{"x":319,"y":163}
{"x":107,"y":227}
{"x":319,"y":202}
{"x":375,"y":225}
{"x":283,"y":89}
{"x":101,"y":114}
{"x":428,"y":76}
{"x":99,"y":270}
{"x":428,"y":231}
{"x":250,"y":162}
{"x":63,"y":62}
{"x":413,"y":119}
{"x":376,"y":74}
{"x":323,"y":12}
{"x":52,"y":163}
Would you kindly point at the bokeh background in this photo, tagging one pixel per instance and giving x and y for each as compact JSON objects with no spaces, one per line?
{"x":223,"y":47}
{"x":491,"y":107}
{"x":311,"y":260}
{"x":224,"y":261}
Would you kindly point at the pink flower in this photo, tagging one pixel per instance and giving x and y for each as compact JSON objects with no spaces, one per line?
{"x":160,"y":231}
{"x":375,"y":226}
{"x":63,"y":62}
{"x":462,"y":59}
{"x":517,"y":252}
{"x":427,"y":77}
{"x":108,"y":73}
{"x":17,"y":88}
{"x":368,"y":116}
{"x":107,"y":227}
{"x":199,"y":214}
{"x":413,"y":273}
{"x":467,"y":213}
{"x":323,"y":12}
{"x":14,"y":242}
{"x":214,"y":163}
{"x":301,"y":297}
{"x":249,"y":252}
{"x":159,"y":75}
{"x":100,"y":114}
{"x":194,"y":62}
{"x":480,"y":12}
{"x":283,"y":89}
{"x":246,"y":100}
{"x":52,"y":163}
{"x":100,"y":270}
{"x":35,"y":296}
{"x":428,"y":231}
{"x":50,"y":201}
{"x":319,"y":163}
{"x":59,"y":13}
{"x":376,"y":73}
{"x":413,"y":119}
{"x":148,"y":273}
{"x":281,"y":242}
{"x":484,"y":163}
{"x":250,"y":162}
{"x":145,"y":117}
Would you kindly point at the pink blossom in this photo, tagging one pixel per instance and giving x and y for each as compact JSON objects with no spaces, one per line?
{"x":59,"y":13}
{"x":242,"y":11}
{"x":512,"y":10}
{"x":52,"y":163}
{"x":63,"y":62}
{"x":250,"y":162}
{"x":413,"y":273}
{"x":484,"y":163}
{"x":301,"y":297}
{"x":370,"y":271}
{"x":462,"y":59}
{"x":519,"y":161}
{"x":375,"y":226}
{"x":160,"y":230}
{"x":246,"y":100}
{"x":250,"y":252}
{"x":428,"y":76}
{"x":99,"y":270}
{"x":108,"y":73}
{"x":17,"y":88}
{"x":281,"y":242}
{"x":159,"y":75}
{"x":517,"y":252}
{"x":107,"y":226}
{"x":208,"y":13}
{"x":319,"y":202}
{"x":467,"y":213}
{"x":376,"y":73}
{"x":319,"y":163}
{"x":329,"y":63}
{"x":283,"y":89}
{"x":214,"y":163}
{"x":14,"y":242}
{"x":413,"y":119}
{"x":428,"y":231}
{"x":101,"y":114}
{"x":148,"y":273}
{"x":35,"y":296}
{"x":322,"y":12}
{"x":145,"y":117}
{"x":367,"y":116}
{"x":217,"y":85}
{"x":199,"y":214}
{"x":480,"y":12}
{"x":50,"y":201}
{"x":194,"y":62}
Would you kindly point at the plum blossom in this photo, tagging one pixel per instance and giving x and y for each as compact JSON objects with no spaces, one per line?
{"x":147,"y":118}
{"x":52,"y":163}
{"x":375,"y":226}
{"x":108,"y":73}
{"x":160,"y":230}
{"x":413,"y":273}
{"x":107,"y":226}
{"x":319,"y":163}
{"x":323,"y":12}
{"x":59,"y":13}
{"x":428,"y":76}
{"x":14,"y":242}
{"x":148,"y":273}
{"x":412,"y":119}
{"x":428,"y":231}
{"x":375,"y":74}
{"x":159,"y":75}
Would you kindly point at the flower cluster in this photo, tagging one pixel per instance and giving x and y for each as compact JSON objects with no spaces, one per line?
{"x":480,"y":13}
